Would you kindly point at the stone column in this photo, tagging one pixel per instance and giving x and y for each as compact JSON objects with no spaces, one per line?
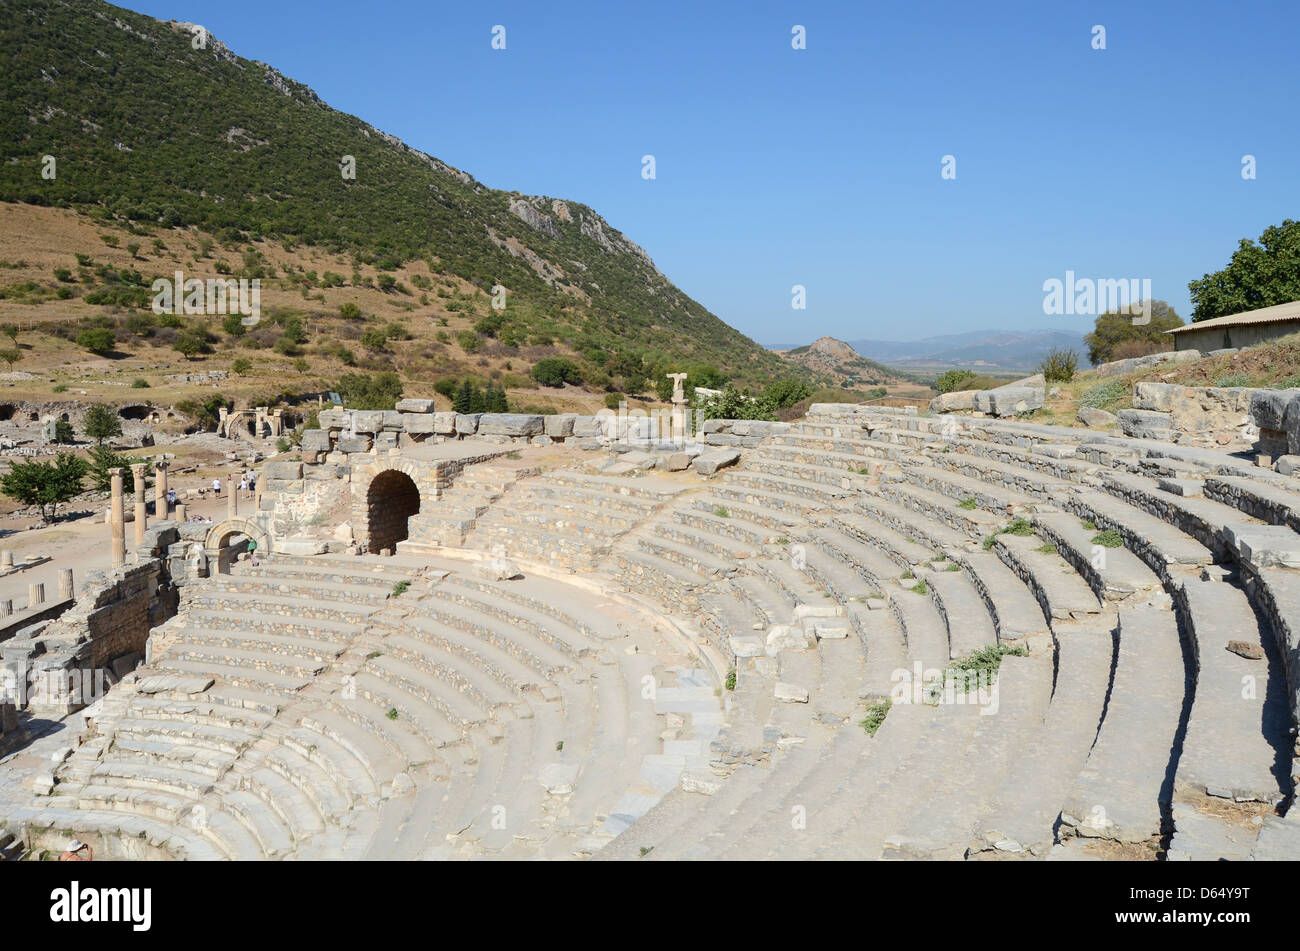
{"x":6,"y":561}
{"x":180,"y":511}
{"x":6,"y":607}
{"x":65,"y":584}
{"x":141,"y":515}
{"x":232,"y":497}
{"x":35,"y":595}
{"x":160,"y":504}
{"x":117,"y":520}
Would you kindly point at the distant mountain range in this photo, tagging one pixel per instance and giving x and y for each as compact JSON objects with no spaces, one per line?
{"x":977,"y":349}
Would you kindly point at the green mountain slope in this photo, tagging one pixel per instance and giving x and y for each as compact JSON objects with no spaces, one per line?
{"x":147,"y":127}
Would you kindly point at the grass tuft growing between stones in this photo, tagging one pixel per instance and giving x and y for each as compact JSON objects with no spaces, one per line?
{"x":968,"y":503}
{"x":721,"y":512}
{"x":920,"y":587}
{"x":1019,"y":526}
{"x":1048,"y":549}
{"x":876,"y":713}
{"x":392,"y":713}
{"x":400,"y":588}
{"x":730,"y":682}
{"x":1108,"y":539}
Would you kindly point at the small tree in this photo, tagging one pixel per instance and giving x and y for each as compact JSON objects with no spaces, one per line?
{"x":10,"y":357}
{"x":63,"y":434}
{"x":101,"y":424}
{"x":98,"y":340}
{"x":241,"y":366}
{"x":1059,"y":365}
{"x":45,"y":484}
{"x":11,"y":331}
{"x":953,"y":379}
{"x":134,"y":248}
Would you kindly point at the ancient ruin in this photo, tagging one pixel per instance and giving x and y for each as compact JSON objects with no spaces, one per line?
{"x":515,"y":636}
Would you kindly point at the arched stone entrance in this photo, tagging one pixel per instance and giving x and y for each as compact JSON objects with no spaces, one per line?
{"x":392,"y":498}
{"x":217,"y":542}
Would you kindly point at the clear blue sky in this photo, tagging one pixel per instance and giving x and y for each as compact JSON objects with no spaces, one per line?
{"x":821,"y":167}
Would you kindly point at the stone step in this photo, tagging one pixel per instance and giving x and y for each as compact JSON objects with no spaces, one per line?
{"x":1124,"y":791}
{"x":1016,"y":612}
{"x":943,"y":508}
{"x":1113,"y":574}
{"x":295,"y":609}
{"x":157,"y":775}
{"x":1020,"y":817}
{"x":504,"y":667}
{"x":965,"y":615}
{"x":58,"y":823}
{"x":285,"y":667}
{"x":900,"y":546}
{"x":295,"y":648}
{"x":1056,"y":585}
{"x":989,"y":497}
{"x":851,"y":552}
{"x":460,"y":622}
{"x":216,"y":739}
{"x":227,"y":620}
{"x":329,"y":793}
{"x":816,"y":494}
{"x":1158,"y":543}
{"x":923,"y":628}
{"x":783,"y":505}
{"x":942,"y":827}
{"x":382,"y":745}
{"x":755,"y":517}
{"x":1235,"y":736}
{"x":740,"y":535}
{"x":573,"y":634}
{"x":273,"y":838}
{"x":329,"y":569}
{"x":299,"y":588}
{"x":478,"y":693}
{"x":718,"y":546}
{"x":1201,"y":518}
{"x":335,"y":758}
{"x":926,"y":529}
{"x":421,"y":722}
{"x":694,"y":559}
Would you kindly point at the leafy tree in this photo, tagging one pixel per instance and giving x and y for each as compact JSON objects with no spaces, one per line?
{"x":446,"y":386}
{"x":241,"y":366}
{"x":787,"y":392}
{"x":1059,"y":365}
{"x":63,"y":434}
{"x":370,"y":390}
{"x":731,"y":403}
{"x":233,"y":324}
{"x":1114,"y":327}
{"x":556,"y":371}
{"x":11,"y":331}
{"x":350,"y":311}
{"x":101,"y":424}
{"x":99,"y":340}
{"x":374,"y":339}
{"x":45,"y":484}
{"x":189,"y":345}
{"x":104,"y":458}
{"x":952,"y":380}
{"x":10,"y":357}
{"x":1260,"y":274}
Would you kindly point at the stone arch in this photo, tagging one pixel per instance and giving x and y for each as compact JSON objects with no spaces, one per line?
{"x":217,"y":541}
{"x":392,"y":498}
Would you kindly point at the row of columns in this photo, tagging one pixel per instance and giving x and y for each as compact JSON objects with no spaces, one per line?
{"x":117,"y":511}
{"x":36,"y":593}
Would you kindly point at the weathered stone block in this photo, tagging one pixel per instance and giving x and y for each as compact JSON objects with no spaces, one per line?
{"x":415,"y":406}
{"x":1145,"y":424}
{"x":419,"y":423}
{"x":467,"y":423}
{"x":444,"y":424}
{"x":315,"y":440}
{"x":351,"y":444}
{"x":1096,"y":418}
{"x":368,"y":421}
{"x":333,"y":418}
{"x":560,"y":425}
{"x":710,"y":461}
{"x":282,"y":470}
{"x":510,"y":424}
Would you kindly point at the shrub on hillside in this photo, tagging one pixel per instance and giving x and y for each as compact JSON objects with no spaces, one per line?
{"x":369,"y":390}
{"x":1059,"y":365}
{"x":98,"y":340}
{"x":556,"y":371}
{"x":952,"y":380}
{"x":1103,"y":394}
